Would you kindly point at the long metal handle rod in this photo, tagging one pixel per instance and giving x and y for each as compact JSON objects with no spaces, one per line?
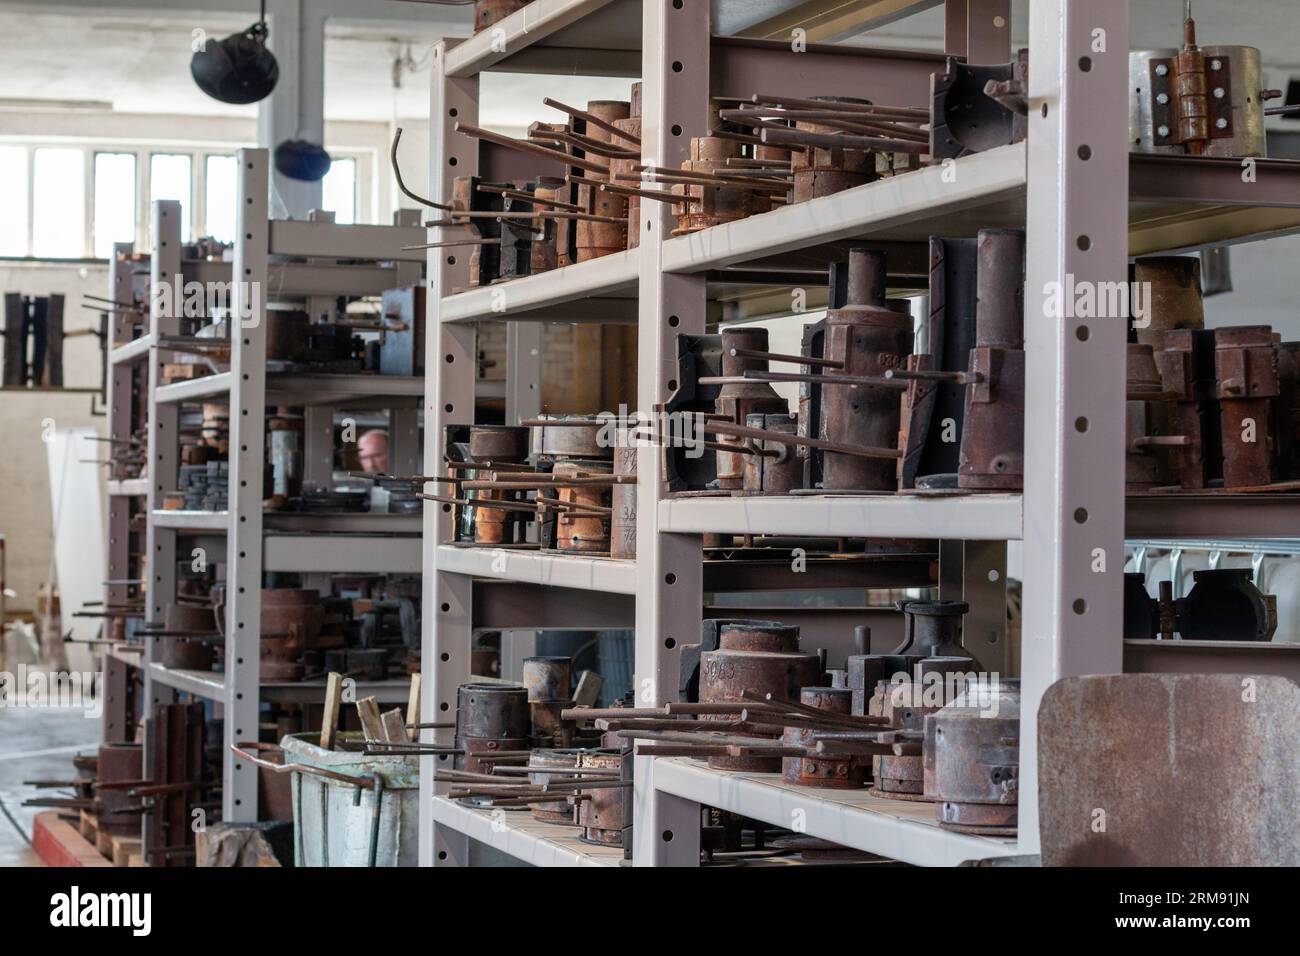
{"x":584,"y":143}
{"x":655,"y":194}
{"x":397,"y":175}
{"x":593,"y":120}
{"x":526,"y":147}
{"x":528,"y":197}
{"x":744,"y":431}
{"x":797,"y":102}
{"x":792,"y":137}
{"x":780,"y":357}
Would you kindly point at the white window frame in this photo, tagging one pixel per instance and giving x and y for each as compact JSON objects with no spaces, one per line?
{"x":364,"y":198}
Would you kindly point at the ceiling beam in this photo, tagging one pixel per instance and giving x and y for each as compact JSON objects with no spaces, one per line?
{"x":825,"y":21}
{"x":457,"y":20}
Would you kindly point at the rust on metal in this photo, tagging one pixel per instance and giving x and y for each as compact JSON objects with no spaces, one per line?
{"x":490,"y":719}
{"x":972,"y":757}
{"x":780,"y":470}
{"x":1189,"y":770}
{"x":867,"y":339}
{"x":833,"y":772}
{"x":603,"y":816}
{"x":992,"y":454}
{"x":739,"y":398}
{"x":761,"y":657}
{"x":1245,"y":363}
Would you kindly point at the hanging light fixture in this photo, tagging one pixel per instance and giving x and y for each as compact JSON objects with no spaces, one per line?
{"x":239,"y":69}
{"x":302,"y":159}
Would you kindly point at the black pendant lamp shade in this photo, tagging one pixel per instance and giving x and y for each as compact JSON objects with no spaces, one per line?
{"x":300,"y":159}
{"x":239,"y":69}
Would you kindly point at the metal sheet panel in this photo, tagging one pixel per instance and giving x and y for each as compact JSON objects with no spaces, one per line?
{"x":1170,"y":770}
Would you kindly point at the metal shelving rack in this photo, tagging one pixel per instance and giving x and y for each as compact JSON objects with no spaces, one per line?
{"x":319,"y":260}
{"x":1072,"y":515}
{"x":124,"y":389}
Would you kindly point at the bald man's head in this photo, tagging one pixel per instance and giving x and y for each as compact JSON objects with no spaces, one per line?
{"x":372,"y":449}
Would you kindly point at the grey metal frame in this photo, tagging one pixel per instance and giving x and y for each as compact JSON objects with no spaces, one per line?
{"x":249,"y":548}
{"x":1072,"y":512}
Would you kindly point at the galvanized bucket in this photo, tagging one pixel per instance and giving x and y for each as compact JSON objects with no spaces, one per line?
{"x":348,"y":809}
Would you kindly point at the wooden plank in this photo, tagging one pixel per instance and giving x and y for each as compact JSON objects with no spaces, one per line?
{"x":394,"y":726}
{"x":588,"y":690}
{"x":124,"y":848}
{"x":371,"y":723}
{"x":329,"y":726}
{"x":413,"y":707}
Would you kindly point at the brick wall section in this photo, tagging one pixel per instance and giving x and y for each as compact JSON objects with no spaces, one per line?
{"x":585,"y":368}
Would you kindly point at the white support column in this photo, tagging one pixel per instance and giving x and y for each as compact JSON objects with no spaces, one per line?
{"x":118,"y":558}
{"x":675,"y":95}
{"x":296,"y":107}
{"x":450,"y":369}
{"x":1074,"y":390}
{"x":164,"y":456}
{"x":523,"y":371}
{"x":247,"y":411}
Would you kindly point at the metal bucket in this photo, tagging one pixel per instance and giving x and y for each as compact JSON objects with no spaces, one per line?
{"x":348,"y":809}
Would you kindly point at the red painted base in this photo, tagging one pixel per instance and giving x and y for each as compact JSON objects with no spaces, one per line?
{"x":58,"y":843}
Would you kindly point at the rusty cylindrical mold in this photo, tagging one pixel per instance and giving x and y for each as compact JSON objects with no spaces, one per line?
{"x":761,"y":657}
{"x":1245,"y":364}
{"x":603,"y":815}
{"x":738,"y":400}
{"x":905,"y":705}
{"x":582,"y":532}
{"x":286,"y":610}
{"x":823,"y":170}
{"x":972,"y":758}
{"x":596,"y":239}
{"x":489,"y":718}
{"x":867,"y":339}
{"x":182,"y":653}
{"x":570,"y":437}
{"x":715,"y":203}
{"x":551,"y":766}
{"x":496,"y":444}
{"x":833,"y":772}
{"x":291,"y":619}
{"x":548,"y":680}
{"x":992,"y":456}
{"x":781,"y":470}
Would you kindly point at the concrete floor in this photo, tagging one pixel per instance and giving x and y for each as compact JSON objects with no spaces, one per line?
{"x":35,"y":743}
